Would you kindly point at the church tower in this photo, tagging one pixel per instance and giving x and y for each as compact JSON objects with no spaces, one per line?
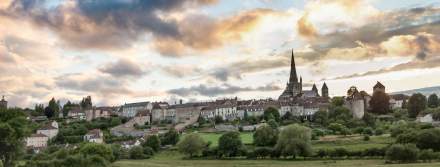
{"x":293,"y":87}
{"x":324,"y":90}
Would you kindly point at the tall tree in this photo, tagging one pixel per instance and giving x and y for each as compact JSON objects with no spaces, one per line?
{"x":13,"y":131}
{"x":55,"y":106}
{"x":416,"y":104}
{"x":49,"y":112}
{"x":380,"y":103}
{"x":433,"y":101}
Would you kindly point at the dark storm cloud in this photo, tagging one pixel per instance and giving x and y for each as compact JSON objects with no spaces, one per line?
{"x":225,"y":89}
{"x":123,"y":68}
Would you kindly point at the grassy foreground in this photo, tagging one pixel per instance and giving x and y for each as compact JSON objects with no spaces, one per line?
{"x":173,"y":159}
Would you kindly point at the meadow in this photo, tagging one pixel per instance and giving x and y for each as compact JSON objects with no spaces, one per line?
{"x":174,"y":159}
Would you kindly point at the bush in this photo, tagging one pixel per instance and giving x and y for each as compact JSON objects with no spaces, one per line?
{"x":368,"y":131}
{"x":366,"y":138}
{"x":148,"y":151}
{"x":402,"y":153}
{"x":374,"y":152}
{"x":262,"y":152}
{"x":339,"y":152}
{"x":427,"y":155}
{"x":379,"y":131}
{"x":170,"y":138}
{"x":137,"y":152}
{"x":429,"y":139}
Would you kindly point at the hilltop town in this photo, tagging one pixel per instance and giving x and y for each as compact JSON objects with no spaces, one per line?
{"x":154,"y":126}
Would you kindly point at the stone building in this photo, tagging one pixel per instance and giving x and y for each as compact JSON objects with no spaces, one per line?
{"x":357,"y":102}
{"x":3,"y":103}
{"x":379,"y":87}
{"x":50,"y":130}
{"x":131,"y":109}
{"x":37,"y":141}
{"x":94,"y":136}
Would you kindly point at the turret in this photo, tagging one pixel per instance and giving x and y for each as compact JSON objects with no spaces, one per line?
{"x":315,"y":89}
{"x":3,"y":103}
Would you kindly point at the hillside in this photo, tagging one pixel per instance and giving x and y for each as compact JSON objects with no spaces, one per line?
{"x":426,"y":91}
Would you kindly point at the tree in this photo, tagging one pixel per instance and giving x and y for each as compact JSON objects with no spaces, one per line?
{"x":265,"y":136}
{"x":191,"y":144}
{"x":218,"y":119}
{"x":402,"y":153}
{"x":39,"y":108}
{"x":153,"y":141}
{"x":271,"y":111}
{"x":338,"y":101}
{"x":13,"y":131}
{"x":416,"y":104}
{"x":55,"y":106}
{"x":321,"y":117}
{"x":294,"y":140}
{"x":433,"y":101}
{"x":273,"y":124}
{"x":229,"y":144}
{"x":429,"y":139}
{"x":380,"y":103}
{"x":170,"y":138}
{"x":49,"y":112}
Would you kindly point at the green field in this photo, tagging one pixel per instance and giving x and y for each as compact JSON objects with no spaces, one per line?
{"x":173,"y":159}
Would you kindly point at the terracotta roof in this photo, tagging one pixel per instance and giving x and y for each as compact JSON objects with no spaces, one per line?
{"x":95,"y":133}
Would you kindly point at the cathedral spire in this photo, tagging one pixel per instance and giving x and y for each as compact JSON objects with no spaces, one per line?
{"x":293,"y":78}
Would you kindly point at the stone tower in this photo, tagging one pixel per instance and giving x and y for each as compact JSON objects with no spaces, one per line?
{"x":324,"y":90}
{"x":315,"y":89}
{"x":3,"y":103}
{"x":379,"y":87}
{"x":293,"y":87}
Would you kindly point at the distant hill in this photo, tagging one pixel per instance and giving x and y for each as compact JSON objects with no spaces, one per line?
{"x":426,"y":91}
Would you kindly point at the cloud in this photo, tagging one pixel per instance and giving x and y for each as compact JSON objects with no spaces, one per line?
{"x":224,"y":89}
{"x":305,"y":28}
{"x":115,"y":24}
{"x":181,"y":71}
{"x":123,"y":68}
{"x":416,"y":64}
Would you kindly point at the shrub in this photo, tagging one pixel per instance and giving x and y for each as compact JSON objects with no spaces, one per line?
{"x":339,"y":152}
{"x":368,"y":131}
{"x":427,"y":155}
{"x":263,"y":152}
{"x":402,"y":153}
{"x":429,"y":139}
{"x":148,"y":151}
{"x":366,"y":138}
{"x":137,"y":152}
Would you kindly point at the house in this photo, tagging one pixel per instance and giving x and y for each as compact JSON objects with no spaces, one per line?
{"x":160,"y":112}
{"x":398,"y":100}
{"x":131,"y":109}
{"x":50,"y":130}
{"x":131,"y":143}
{"x":77,"y":114}
{"x":37,"y":141}
{"x":142,"y":118}
{"x":94,"y":136}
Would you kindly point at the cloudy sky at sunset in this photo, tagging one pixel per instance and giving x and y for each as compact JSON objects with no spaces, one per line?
{"x":121,"y":51}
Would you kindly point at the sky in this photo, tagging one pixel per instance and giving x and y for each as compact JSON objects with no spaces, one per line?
{"x":122,"y":51}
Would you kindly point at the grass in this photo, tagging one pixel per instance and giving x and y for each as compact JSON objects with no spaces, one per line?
{"x":174,"y":159}
{"x":352,"y":143}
